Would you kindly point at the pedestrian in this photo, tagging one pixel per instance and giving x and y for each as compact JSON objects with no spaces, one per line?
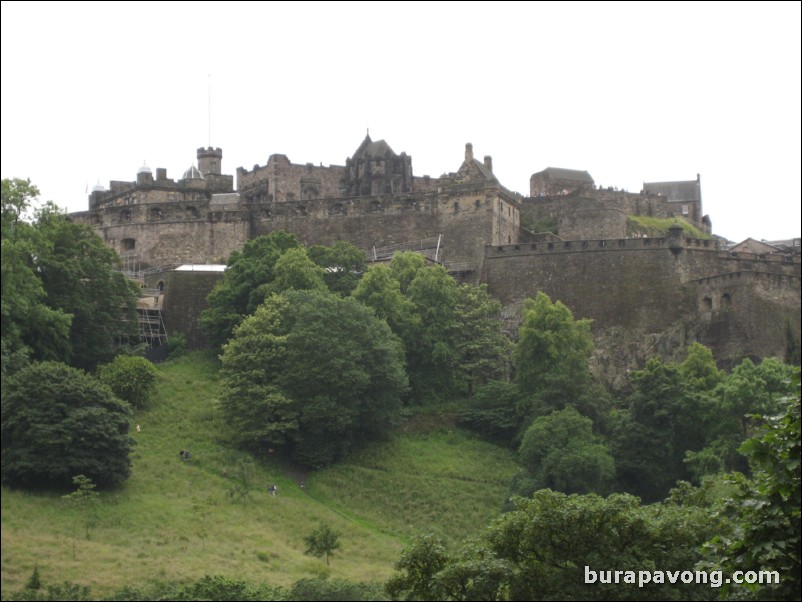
{"x":138,"y":430}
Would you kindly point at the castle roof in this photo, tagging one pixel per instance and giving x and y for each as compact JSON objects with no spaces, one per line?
{"x":750,"y":245}
{"x":559,"y":173}
{"x":193,"y":173}
{"x":144,"y":169}
{"x":371,"y":150}
{"x":688,"y":190}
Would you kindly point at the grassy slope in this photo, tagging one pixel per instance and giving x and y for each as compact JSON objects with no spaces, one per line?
{"x":173,"y":521}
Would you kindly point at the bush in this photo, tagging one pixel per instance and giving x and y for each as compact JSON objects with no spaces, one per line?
{"x":58,"y":422}
{"x":131,"y":378}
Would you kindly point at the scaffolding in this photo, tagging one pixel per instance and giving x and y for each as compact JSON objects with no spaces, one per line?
{"x":152,"y":331}
{"x":151,"y":322}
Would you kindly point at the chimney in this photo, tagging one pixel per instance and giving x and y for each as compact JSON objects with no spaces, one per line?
{"x":469,"y":152}
{"x":489,"y":163}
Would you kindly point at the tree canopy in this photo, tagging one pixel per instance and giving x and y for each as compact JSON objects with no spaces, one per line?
{"x":59,"y":422}
{"x":314,"y":374}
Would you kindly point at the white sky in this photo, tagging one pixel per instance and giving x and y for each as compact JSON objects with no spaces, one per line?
{"x":629,"y":92}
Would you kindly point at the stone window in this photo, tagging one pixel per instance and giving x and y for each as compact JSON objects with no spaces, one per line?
{"x":456,"y":207}
{"x":337,"y":209}
{"x":128,"y":244}
{"x":155,"y":213}
{"x":685,"y":210}
{"x":375,"y":206}
{"x":708,"y":303}
{"x":125,"y":215}
{"x":192,"y":211}
{"x":309,"y":192}
{"x":478,"y":203}
{"x":726,"y":300}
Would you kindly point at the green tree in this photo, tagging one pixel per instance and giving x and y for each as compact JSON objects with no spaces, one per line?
{"x":244,"y":284}
{"x":84,"y":501}
{"x":540,"y":551}
{"x":551,"y":356}
{"x":313,"y":373}
{"x":322,"y":541}
{"x":560,"y":452}
{"x":418,"y":565}
{"x":666,"y":417}
{"x":29,"y":328}
{"x":431,"y":351}
{"x":483,"y":351}
{"x":57,"y":422}
{"x":493,"y":411}
{"x":294,"y":271}
{"x":380,"y":290}
{"x":130,"y":377}
{"x":344,"y":265}
{"x":766,"y":532}
{"x":80,"y":276}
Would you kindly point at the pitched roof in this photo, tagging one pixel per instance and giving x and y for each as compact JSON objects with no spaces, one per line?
{"x":370,"y":150}
{"x":688,"y":190}
{"x":567,"y":174}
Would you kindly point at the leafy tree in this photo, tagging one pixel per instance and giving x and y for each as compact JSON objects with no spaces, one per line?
{"x":17,"y":195}
{"x":560,"y":452}
{"x":667,"y":417}
{"x":493,"y":411}
{"x":344,"y":265}
{"x":699,"y":369}
{"x":418,"y":565}
{"x":84,"y":501}
{"x":765,"y":512}
{"x":551,"y":356}
{"x":130,"y":377}
{"x":431,"y":354}
{"x":29,"y":327}
{"x":312,"y":373}
{"x":483,"y":351}
{"x":405,"y":266}
{"x":57,"y":422}
{"x":322,"y":541}
{"x":539,"y":551}
{"x":80,"y":277}
{"x":750,"y":389}
{"x":381,"y":291}
{"x":244,"y":284}
{"x":294,"y":271}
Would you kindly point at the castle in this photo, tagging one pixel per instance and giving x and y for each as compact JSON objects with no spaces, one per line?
{"x":647,"y":292}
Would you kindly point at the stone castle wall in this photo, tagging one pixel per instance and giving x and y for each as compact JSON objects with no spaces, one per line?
{"x":281,"y":180}
{"x":737,"y":304}
{"x":601,"y":213}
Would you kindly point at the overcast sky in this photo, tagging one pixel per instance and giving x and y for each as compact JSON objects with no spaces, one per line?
{"x":629,"y":92}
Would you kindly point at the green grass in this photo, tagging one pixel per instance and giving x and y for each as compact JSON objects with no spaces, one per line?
{"x":658,"y":226}
{"x":173,"y":521}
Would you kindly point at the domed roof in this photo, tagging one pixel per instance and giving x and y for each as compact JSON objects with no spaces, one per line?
{"x":98,"y":187}
{"x":193,"y":173}
{"x":144,"y":169}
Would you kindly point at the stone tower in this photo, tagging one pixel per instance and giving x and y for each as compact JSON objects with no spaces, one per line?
{"x":210,"y":161}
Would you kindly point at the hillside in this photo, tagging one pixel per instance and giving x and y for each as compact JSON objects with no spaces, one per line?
{"x":173,"y":520}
